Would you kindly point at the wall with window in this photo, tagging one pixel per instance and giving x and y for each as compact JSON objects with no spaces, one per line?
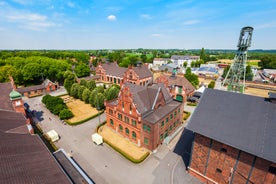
{"x":224,"y":164}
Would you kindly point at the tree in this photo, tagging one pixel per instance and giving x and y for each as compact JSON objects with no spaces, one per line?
{"x":70,"y":79}
{"x":92,"y":97}
{"x":111,"y":93}
{"x":82,"y":70}
{"x":185,"y":64}
{"x":248,"y":73}
{"x":83,"y":82}
{"x":99,"y":101}
{"x":80,"y":91}
{"x":211,"y":84}
{"x":91,"y":85}
{"x":31,"y":72}
{"x":100,"y":89}
{"x":58,"y":108}
{"x":203,"y":55}
{"x":85,"y":95}
{"x":74,"y":90}
{"x":192,"y":78}
{"x":65,"y":114}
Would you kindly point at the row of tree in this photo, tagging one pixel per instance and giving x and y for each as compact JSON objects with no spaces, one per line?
{"x":89,"y":92}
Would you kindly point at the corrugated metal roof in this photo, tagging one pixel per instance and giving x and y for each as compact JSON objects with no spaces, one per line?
{"x":242,"y":121}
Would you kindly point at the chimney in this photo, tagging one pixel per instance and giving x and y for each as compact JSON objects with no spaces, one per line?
{"x":12,"y":82}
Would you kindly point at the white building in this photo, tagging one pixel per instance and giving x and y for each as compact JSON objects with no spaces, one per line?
{"x":180,"y":60}
{"x":160,"y":61}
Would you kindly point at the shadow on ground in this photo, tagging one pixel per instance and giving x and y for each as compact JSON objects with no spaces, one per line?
{"x":184,"y":146}
{"x":39,"y":115}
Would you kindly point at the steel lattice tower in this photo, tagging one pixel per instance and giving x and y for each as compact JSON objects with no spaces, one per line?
{"x":235,"y":78}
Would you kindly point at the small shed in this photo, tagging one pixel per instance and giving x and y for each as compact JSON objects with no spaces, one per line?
{"x":52,"y":135}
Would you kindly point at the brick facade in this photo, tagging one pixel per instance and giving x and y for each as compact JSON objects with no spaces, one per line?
{"x":179,"y":87}
{"x":218,"y":162}
{"x":112,"y":73}
{"x":123,"y":116}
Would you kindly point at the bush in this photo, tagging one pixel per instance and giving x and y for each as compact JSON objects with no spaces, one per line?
{"x":211,"y":84}
{"x":65,"y":114}
{"x":58,"y":108}
{"x":191,"y":104}
{"x":187,"y":115}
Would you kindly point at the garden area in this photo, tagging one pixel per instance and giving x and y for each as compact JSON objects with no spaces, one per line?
{"x":125,"y":147}
{"x":82,"y":112}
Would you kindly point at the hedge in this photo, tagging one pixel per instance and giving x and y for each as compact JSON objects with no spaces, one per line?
{"x":51,"y":146}
{"x":191,"y":104}
{"x":99,"y":126}
{"x":84,"y":120}
{"x":187,"y":115}
{"x":127,"y":156}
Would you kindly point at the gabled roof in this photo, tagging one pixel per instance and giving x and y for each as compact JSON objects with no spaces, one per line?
{"x":179,"y":81}
{"x":142,"y":71}
{"x":30,"y":88}
{"x":113,"y":69}
{"x":44,"y":84}
{"x":144,"y":96}
{"x":5,"y":102}
{"x":23,"y":157}
{"x":242,"y":121}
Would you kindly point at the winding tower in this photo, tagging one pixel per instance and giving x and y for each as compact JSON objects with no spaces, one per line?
{"x":235,"y":78}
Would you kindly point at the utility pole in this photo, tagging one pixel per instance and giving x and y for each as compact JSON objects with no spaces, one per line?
{"x":235,"y":78}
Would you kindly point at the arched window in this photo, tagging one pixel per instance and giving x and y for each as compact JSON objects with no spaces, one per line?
{"x":111,"y":122}
{"x":133,"y":135}
{"x":121,"y":128}
{"x":127,"y":131}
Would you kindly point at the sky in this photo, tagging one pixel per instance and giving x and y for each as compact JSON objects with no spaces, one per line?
{"x":132,"y":24}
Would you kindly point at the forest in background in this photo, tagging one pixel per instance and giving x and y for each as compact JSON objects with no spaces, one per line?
{"x":30,"y":67}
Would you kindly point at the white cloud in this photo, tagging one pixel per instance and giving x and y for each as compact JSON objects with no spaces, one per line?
{"x":113,"y":9}
{"x":26,"y":17}
{"x":156,"y":35}
{"x":71,"y":5}
{"x":111,"y":17}
{"x":191,"y":22}
{"x":2,"y":3}
{"x":23,"y":2}
{"x":32,"y":21}
{"x":146,"y":16}
{"x":264,"y":26}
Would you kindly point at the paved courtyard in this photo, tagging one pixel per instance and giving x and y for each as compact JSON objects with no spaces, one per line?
{"x":102,"y":163}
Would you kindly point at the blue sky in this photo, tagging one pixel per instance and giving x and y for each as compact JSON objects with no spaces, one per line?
{"x":126,"y":24}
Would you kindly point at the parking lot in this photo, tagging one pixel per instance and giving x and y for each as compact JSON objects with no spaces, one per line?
{"x":102,"y":163}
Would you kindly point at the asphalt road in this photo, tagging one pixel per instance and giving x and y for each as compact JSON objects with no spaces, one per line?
{"x":102,"y":163}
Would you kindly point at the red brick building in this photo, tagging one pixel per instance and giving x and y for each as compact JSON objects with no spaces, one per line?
{"x":179,"y":87}
{"x":144,"y":114}
{"x":31,"y":91}
{"x":234,"y":138}
{"x":111,"y":72}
